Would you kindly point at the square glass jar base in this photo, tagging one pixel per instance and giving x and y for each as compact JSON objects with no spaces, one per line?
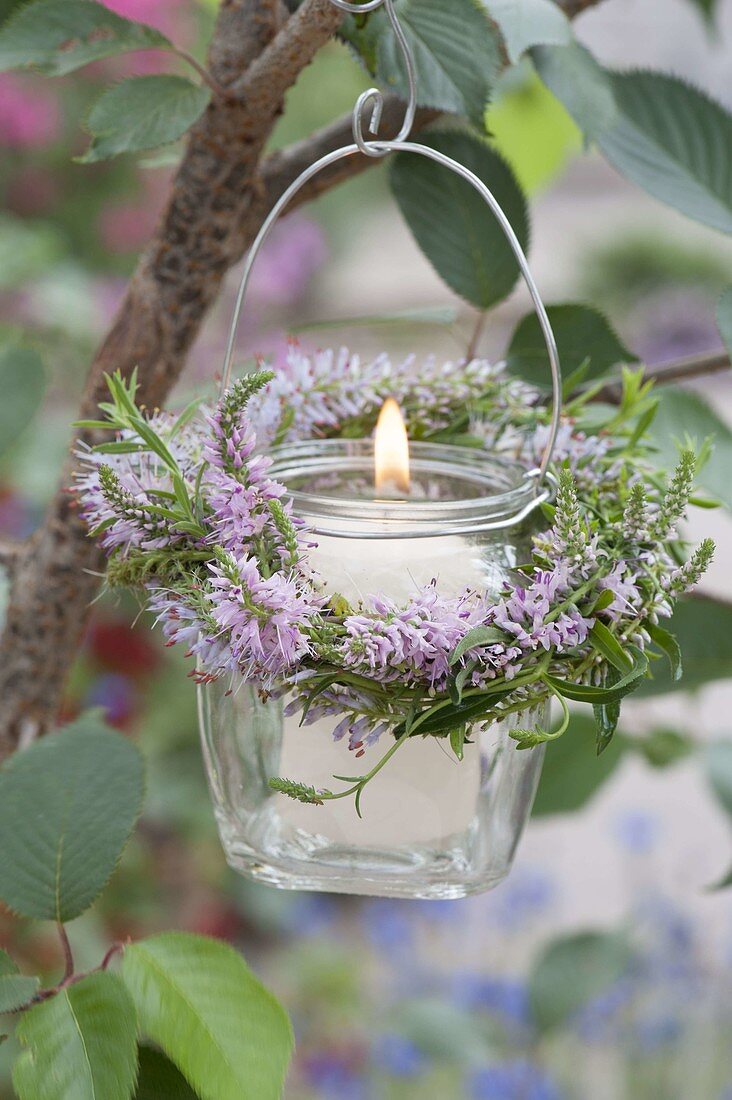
{"x":305,"y":861}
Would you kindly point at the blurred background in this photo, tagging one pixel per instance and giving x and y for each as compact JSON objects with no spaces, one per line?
{"x":404,"y":999}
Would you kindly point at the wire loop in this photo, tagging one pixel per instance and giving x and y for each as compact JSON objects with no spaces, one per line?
{"x":373,"y":99}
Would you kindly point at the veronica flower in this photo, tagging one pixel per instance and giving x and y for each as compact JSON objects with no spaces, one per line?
{"x":264,"y":618}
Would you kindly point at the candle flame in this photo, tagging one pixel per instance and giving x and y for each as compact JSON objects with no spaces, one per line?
{"x":391,"y":449}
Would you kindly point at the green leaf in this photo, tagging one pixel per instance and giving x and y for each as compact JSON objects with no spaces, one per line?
{"x":16,"y":990}
{"x":199,"y":1002}
{"x":572,"y":771}
{"x":668,"y":644}
{"x":527,"y":23}
{"x":7,"y":965}
{"x":573,"y":75}
{"x":142,"y":113}
{"x":703,"y":628}
{"x":159,"y":1079}
{"x":58,"y":36}
{"x":478,"y":636}
{"x":724,"y":319}
{"x":674,"y":142}
{"x":724,"y":883}
{"x":67,"y":807}
{"x":662,"y":747}
{"x":684,"y":415}
{"x":456,"y":54}
{"x":82,"y":1044}
{"x":707,"y":8}
{"x":719,"y":772}
{"x":452,"y":224}
{"x":605,"y":642}
{"x":587,"y":693}
{"x":572,"y":971}
{"x":582,"y":333}
{"x":607,"y":715}
{"x":22,"y":382}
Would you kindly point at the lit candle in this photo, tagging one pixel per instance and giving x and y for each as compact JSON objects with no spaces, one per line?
{"x":391,"y":539}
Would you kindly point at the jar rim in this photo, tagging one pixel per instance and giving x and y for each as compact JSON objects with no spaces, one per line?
{"x":507,"y":491}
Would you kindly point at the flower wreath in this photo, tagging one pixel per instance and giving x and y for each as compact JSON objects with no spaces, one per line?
{"x":186,"y":512}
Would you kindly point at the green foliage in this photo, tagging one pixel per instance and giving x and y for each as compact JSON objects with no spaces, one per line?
{"x":662,"y":748}
{"x":451,"y":222}
{"x":572,"y":772}
{"x":143,"y":113}
{"x":580,"y":83}
{"x":81,"y":1044}
{"x":724,"y":319}
{"x":199,"y":1002}
{"x":527,"y":23}
{"x":158,"y":1079}
{"x":455,"y":50}
{"x":58,"y":36}
{"x":684,"y":416}
{"x":531,"y":129}
{"x":703,"y":627}
{"x":573,"y":970}
{"x":22,"y":382}
{"x":588,"y":346}
{"x":28,"y":248}
{"x":67,"y":807}
{"x":15,"y":988}
{"x":675,"y":142}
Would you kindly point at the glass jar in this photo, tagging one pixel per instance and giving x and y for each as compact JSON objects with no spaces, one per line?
{"x":432,"y":826}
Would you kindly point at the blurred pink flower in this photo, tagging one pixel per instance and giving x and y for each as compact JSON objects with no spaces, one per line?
{"x":294,"y":251}
{"x":161,"y":14}
{"x":126,"y":227}
{"x":31,"y":190}
{"x":29,"y":116}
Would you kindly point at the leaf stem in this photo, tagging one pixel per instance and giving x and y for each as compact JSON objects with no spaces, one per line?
{"x":218,"y":89}
{"x":68,"y":954}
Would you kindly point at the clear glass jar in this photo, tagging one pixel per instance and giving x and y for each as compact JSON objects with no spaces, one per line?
{"x":432,"y":827}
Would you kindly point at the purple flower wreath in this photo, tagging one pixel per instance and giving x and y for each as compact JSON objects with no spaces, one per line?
{"x":187,"y":512}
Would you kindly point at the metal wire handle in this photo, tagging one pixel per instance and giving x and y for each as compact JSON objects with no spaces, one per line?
{"x":400,"y":144}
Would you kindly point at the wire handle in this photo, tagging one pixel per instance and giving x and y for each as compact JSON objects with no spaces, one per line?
{"x":381,"y":148}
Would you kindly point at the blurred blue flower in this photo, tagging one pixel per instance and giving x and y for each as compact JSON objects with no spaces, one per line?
{"x":637,"y":831}
{"x":520,"y":900}
{"x":506,"y":997}
{"x":399,"y":1056}
{"x":657,"y":1031}
{"x":518,"y":1080}
{"x":311,"y":914}
{"x":600,"y":1019}
{"x":116,"y":695}
{"x":389,"y":925}
{"x":333,"y":1077}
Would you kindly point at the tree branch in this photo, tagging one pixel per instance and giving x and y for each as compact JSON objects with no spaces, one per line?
{"x":219,"y":197}
{"x":678,"y":370}
{"x":176,"y":279}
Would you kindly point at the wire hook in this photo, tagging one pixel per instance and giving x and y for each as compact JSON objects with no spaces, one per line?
{"x":374,"y":96}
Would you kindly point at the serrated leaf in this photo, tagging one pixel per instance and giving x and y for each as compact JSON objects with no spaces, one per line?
{"x":452,"y":224}
{"x":584,"y":337}
{"x":573,"y":75}
{"x":724,"y":319}
{"x":143,"y":113}
{"x":16,"y":990}
{"x":199,"y":1002}
{"x":159,"y":1079}
{"x":572,"y":971}
{"x":67,"y":807}
{"x":7,"y":965}
{"x":58,"y":36}
{"x":572,"y":771}
{"x":527,"y":23}
{"x":674,"y":142}
{"x":588,"y":693}
{"x":719,"y":772}
{"x":456,"y":55}
{"x":22,"y":382}
{"x":82,"y":1044}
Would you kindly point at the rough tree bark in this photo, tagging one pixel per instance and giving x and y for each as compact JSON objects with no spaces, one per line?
{"x":219,"y":197}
